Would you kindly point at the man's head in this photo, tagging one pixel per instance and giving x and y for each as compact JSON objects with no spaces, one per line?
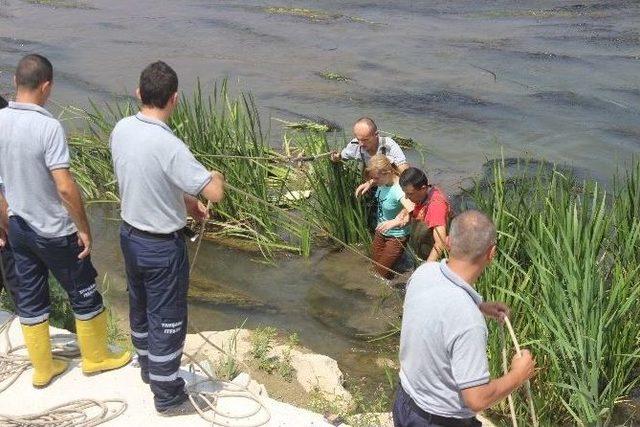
{"x":472,"y":238}
{"x":158,"y":86}
{"x":415,"y":184}
{"x":366,"y":132}
{"x":34,"y":77}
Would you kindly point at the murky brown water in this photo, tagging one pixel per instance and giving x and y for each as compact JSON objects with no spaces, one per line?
{"x":557,"y":80}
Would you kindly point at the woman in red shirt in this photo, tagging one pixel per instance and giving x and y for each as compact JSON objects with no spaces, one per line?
{"x":432,"y":209}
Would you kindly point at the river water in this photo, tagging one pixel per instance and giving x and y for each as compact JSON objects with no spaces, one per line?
{"x":557,"y":80}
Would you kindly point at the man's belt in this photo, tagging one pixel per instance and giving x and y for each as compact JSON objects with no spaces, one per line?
{"x":439,"y":420}
{"x":162,"y":236}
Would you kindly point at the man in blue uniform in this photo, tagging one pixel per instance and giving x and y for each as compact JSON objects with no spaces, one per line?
{"x":47,"y":227}
{"x":159,"y":180}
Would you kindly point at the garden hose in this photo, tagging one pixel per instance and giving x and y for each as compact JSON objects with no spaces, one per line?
{"x":527,"y":384}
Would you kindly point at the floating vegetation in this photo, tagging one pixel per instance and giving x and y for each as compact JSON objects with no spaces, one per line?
{"x":307,"y":125}
{"x":310,"y":14}
{"x":329,"y":75}
{"x":314,"y":15}
{"x":62,"y":4}
{"x":403,"y":141}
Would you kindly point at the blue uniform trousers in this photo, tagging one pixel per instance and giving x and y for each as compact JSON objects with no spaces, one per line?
{"x":406,"y":413}
{"x":157,"y":269}
{"x":9,"y":279}
{"x":35,"y":256}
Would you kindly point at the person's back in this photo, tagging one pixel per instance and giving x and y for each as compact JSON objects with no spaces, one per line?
{"x":444,"y":369}
{"x":437,"y":316}
{"x":152,"y":185}
{"x":29,"y":135}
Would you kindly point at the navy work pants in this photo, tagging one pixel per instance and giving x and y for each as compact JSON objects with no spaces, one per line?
{"x":407,"y":414}
{"x":35,"y":256}
{"x":158,"y":280}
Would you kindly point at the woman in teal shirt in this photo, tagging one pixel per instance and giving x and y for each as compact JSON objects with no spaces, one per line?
{"x":391,"y":233}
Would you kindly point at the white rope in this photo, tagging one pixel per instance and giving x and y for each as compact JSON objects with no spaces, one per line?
{"x":77,"y":413}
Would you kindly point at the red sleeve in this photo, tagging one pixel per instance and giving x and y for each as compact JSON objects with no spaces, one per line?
{"x":437,"y":211}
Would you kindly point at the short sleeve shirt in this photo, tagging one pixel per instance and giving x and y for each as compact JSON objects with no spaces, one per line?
{"x":32,"y":144}
{"x":435,"y":211}
{"x":386,"y":146}
{"x":443,"y":341}
{"x":154,"y":169}
{"x":389,"y":205}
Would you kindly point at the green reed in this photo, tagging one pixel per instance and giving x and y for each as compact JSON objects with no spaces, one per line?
{"x":568,"y":267}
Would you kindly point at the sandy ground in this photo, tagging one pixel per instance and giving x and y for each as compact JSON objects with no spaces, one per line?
{"x":21,"y":398}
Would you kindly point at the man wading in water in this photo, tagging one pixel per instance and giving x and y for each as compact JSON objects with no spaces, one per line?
{"x":366,"y":144}
{"x":430,"y":214}
{"x":444,"y":371}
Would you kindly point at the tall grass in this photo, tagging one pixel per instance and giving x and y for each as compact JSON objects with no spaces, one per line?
{"x":224,"y":133}
{"x":568,"y":266}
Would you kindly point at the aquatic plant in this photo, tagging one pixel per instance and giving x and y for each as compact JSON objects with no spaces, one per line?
{"x":225,"y":134}
{"x":330,"y":75}
{"x":568,"y":267}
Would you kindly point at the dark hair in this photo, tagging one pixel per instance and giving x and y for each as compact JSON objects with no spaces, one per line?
{"x":414,"y":177}
{"x":33,"y":70}
{"x":3,"y":102}
{"x":158,"y":83}
{"x":369,"y":122}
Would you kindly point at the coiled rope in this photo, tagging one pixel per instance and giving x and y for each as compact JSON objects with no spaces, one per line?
{"x":233,"y":391}
{"x":77,"y":413}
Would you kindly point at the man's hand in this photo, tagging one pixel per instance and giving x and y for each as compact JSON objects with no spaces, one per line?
{"x":496,"y":310}
{"x":523,"y":365}
{"x":3,"y":239}
{"x":363,"y":188}
{"x":84,"y":241}
{"x":336,"y":157}
{"x":385,"y":226}
{"x":195,"y":208}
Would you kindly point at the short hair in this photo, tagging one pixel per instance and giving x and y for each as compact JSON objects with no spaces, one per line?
{"x":472,"y":233}
{"x":3,"y":102}
{"x":369,"y":122}
{"x":158,"y":83}
{"x":33,"y":70}
{"x":414,"y":177}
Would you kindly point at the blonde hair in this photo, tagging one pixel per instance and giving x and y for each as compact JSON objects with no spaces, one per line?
{"x":381,"y":164}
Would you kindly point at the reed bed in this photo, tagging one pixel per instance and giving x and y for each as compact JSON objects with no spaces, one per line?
{"x":568,"y":267}
{"x":569,"y":252}
{"x":224,"y":133}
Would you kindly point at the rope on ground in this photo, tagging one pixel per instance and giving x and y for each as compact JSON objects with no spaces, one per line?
{"x":77,"y":413}
{"x":13,"y":361}
{"x":232,"y":391}
{"x":527,"y":384}
{"x":212,"y":399}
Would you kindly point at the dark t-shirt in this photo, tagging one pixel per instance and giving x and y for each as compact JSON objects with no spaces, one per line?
{"x":3,"y":103}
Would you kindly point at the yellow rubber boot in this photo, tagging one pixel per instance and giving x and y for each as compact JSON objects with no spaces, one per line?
{"x":45,"y":367}
{"x":96,"y":356}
